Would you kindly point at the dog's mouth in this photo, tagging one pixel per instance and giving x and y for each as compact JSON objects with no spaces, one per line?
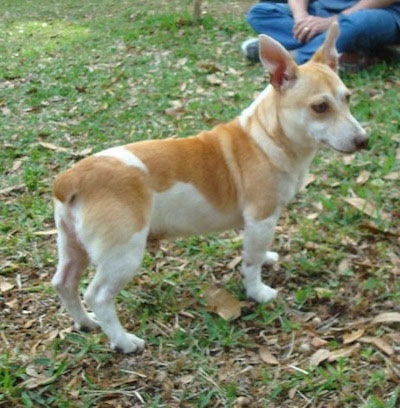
{"x":358,"y":144}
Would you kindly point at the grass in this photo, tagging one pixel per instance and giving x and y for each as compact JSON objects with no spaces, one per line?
{"x":77,"y":77}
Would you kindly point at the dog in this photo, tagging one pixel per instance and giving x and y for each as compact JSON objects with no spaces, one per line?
{"x":240,"y":174}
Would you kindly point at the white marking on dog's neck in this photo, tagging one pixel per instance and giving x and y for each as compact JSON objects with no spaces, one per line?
{"x":254,"y":120}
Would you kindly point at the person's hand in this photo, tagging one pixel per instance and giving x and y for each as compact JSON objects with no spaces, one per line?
{"x":308,"y":27}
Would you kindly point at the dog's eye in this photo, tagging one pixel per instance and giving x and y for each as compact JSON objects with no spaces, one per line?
{"x":320,"y":107}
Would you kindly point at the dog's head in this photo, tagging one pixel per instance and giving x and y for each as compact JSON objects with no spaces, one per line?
{"x":313,"y":102}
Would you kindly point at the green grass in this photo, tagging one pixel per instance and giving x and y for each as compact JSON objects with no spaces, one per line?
{"x":77,"y":77}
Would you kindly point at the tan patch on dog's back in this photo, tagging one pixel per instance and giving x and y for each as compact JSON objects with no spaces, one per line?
{"x":199,"y":161}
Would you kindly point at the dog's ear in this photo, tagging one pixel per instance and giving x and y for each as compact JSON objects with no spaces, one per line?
{"x":327,"y":53}
{"x":279,"y":63}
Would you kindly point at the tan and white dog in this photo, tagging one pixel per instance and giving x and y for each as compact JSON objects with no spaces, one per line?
{"x":239,"y":174}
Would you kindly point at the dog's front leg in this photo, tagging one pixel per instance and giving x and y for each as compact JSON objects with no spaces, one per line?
{"x":258,"y":236}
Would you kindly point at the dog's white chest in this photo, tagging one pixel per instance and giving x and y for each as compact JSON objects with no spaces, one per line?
{"x":182,"y":210}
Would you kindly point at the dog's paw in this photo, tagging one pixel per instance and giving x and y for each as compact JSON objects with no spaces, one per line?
{"x":87,"y":324}
{"x":270,"y":258}
{"x":130,"y":344}
{"x":262,"y":293}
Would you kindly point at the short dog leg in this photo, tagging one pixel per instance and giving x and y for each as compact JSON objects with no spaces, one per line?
{"x":113,"y":273}
{"x":258,"y":235}
{"x":73,"y":260}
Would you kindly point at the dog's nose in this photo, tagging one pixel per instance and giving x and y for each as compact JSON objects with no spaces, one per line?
{"x":361,"y":142}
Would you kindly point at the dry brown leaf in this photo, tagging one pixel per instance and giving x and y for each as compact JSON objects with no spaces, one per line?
{"x":379,"y":343}
{"x":35,"y":382}
{"x":223,"y":303}
{"x":5,"y":191}
{"x":395,"y":337}
{"x":214,"y":80}
{"x":319,"y":356}
{"x":367,"y":208}
{"x":353,"y":336}
{"x":175,"y":110}
{"x":267,"y":356}
{"x":235,"y":262}
{"x":317,"y":342}
{"x":344,"y":266}
{"x":12,"y":304}
{"x":84,"y":152}
{"x":5,"y":286}
{"x":387,"y":317}
{"x":210,"y":66}
{"x":52,"y":146}
{"x":348,"y":159}
{"x":309,"y":180}
{"x":47,"y":232}
{"x":16,"y":166}
{"x":392,"y":176}
{"x":363,"y":177}
{"x":343,"y":352}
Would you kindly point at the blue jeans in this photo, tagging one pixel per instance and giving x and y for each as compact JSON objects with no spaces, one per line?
{"x":362,"y":30}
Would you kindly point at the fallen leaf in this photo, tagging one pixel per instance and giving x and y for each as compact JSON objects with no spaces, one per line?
{"x":16,"y":166}
{"x":35,"y":382}
{"x":366,"y":207}
{"x":343,"y":352}
{"x":223,"y":303}
{"x":52,"y":146}
{"x":309,"y":179}
{"x":175,"y":110}
{"x":344,"y":267}
{"x":5,"y":191}
{"x":348,"y":159}
{"x":5,"y":286}
{"x":392,"y":176}
{"x":12,"y":303}
{"x":84,"y":152}
{"x":379,"y":343}
{"x":317,"y":342}
{"x":47,"y":232}
{"x":267,"y":356}
{"x":319,"y":356}
{"x":394,"y":337}
{"x":363,"y":177}
{"x":214,"y":80}
{"x":235,"y":262}
{"x":353,"y":336}
{"x":209,"y":66}
{"x":387,"y":317}
{"x":323,"y":293}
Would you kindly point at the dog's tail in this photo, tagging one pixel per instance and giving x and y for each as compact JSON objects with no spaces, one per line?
{"x":66,"y":187}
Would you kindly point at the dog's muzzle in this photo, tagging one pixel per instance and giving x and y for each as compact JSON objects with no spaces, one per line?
{"x":361,"y":141}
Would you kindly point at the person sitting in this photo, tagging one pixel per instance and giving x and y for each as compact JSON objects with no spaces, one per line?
{"x":300,"y":26}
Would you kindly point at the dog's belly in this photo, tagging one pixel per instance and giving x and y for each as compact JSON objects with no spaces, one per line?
{"x":182,"y":210}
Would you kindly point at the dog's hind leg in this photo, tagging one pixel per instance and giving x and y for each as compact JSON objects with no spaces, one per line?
{"x":115,"y":269}
{"x":72,"y":262}
{"x":258,"y":236}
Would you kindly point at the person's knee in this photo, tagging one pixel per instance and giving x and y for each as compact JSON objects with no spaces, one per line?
{"x":261,"y":12}
{"x":358,"y":33}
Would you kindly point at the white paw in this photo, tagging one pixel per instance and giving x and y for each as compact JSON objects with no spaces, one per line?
{"x":262,"y":293}
{"x":270,"y":258}
{"x":88,"y":323}
{"x":130,"y":344}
